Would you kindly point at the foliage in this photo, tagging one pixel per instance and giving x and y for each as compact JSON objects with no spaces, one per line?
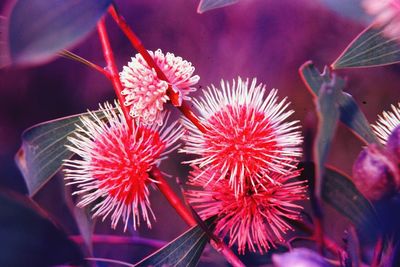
{"x":53,"y":26}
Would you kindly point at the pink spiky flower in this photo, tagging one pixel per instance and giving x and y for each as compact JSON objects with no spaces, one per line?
{"x":386,"y":123}
{"x":248,"y":139}
{"x":145,"y":93}
{"x":255,"y":220}
{"x":387,"y":15}
{"x":112,"y":172}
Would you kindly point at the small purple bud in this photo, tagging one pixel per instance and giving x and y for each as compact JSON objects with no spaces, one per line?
{"x":299,"y":257}
{"x":393,"y":142}
{"x":375,"y":173}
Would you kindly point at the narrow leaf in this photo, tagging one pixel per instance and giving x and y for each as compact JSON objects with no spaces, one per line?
{"x":185,"y":250}
{"x":84,"y":222}
{"x":43,"y":150}
{"x":38,"y":29}
{"x":328,"y":113}
{"x":29,"y":238}
{"x":206,"y":5}
{"x":352,"y":246}
{"x":369,"y":49}
{"x":350,"y":113}
{"x":340,"y":192}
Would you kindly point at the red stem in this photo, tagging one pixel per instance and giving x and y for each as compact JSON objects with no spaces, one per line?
{"x":112,"y":68}
{"x":377,"y":253}
{"x":164,"y":187}
{"x":186,"y":215}
{"x":137,"y":44}
{"x":172,"y":198}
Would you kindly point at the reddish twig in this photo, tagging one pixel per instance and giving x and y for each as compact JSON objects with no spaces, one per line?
{"x":164,"y":187}
{"x":172,"y":198}
{"x":377,"y":253}
{"x":112,"y":68}
{"x":75,"y":57}
{"x":173,"y":95}
{"x":186,"y":215}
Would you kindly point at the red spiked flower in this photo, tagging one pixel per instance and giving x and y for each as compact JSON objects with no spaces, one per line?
{"x":255,"y":220}
{"x":114,"y":164}
{"x":248,"y":139}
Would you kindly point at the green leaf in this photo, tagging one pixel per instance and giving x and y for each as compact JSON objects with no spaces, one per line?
{"x":328,"y":113}
{"x":43,"y":150}
{"x":350,"y":113}
{"x":38,"y":29}
{"x":206,"y":5}
{"x":340,"y":192}
{"x":29,"y":238}
{"x":369,"y":49}
{"x":185,"y":250}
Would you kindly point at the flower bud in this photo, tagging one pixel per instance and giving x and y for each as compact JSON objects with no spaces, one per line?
{"x":299,"y":257}
{"x":375,"y":173}
{"x":393,"y":143}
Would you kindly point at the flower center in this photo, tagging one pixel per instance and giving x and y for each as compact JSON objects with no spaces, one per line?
{"x":241,"y":139}
{"x":121,"y":161}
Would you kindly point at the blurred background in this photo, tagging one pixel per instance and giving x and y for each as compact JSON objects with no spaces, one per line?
{"x":267,"y":39}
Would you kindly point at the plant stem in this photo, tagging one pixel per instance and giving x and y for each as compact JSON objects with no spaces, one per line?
{"x":186,"y":215}
{"x":377,"y":253}
{"x":172,"y":198}
{"x":73,"y":56}
{"x":164,"y":187}
{"x":137,"y":44}
{"x":112,"y":68}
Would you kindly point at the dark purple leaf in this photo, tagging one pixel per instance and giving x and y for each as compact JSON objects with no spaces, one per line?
{"x":38,"y":29}
{"x":340,"y":192}
{"x":29,"y":238}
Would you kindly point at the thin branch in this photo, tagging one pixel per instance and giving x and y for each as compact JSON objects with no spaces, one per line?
{"x":186,"y":215}
{"x":377,"y":252}
{"x":164,"y":187}
{"x":70,"y":55}
{"x":172,"y":94}
{"x":112,"y":68}
{"x":172,"y":198}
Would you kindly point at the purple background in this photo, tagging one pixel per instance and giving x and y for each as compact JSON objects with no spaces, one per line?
{"x":267,"y":39}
